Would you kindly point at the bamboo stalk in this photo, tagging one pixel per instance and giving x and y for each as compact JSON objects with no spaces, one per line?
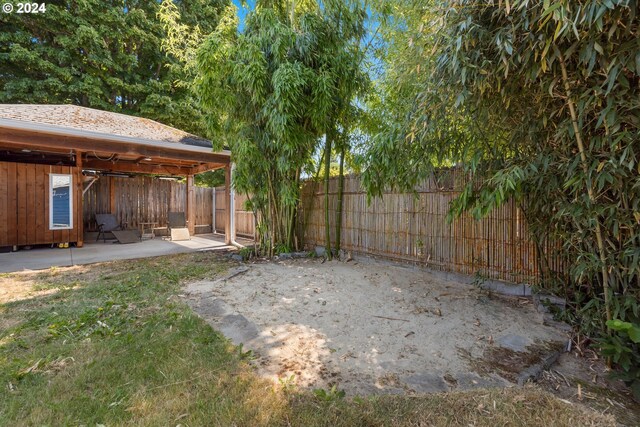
{"x":340,"y":199}
{"x":585,"y":168}
{"x":327,"y":170}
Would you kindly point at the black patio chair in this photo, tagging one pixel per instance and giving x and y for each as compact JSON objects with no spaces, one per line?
{"x":106,"y":223}
{"x":177,"y":226}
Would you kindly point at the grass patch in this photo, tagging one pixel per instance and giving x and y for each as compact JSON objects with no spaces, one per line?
{"x":114,"y":344}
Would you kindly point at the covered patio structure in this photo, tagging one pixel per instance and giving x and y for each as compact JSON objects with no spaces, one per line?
{"x":52,"y":155}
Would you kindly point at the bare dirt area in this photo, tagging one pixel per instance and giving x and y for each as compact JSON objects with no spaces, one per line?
{"x":29,"y":284}
{"x":369,"y":327}
{"x":14,"y":287}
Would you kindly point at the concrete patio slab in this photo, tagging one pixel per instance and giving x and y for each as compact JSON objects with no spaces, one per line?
{"x":92,"y":252}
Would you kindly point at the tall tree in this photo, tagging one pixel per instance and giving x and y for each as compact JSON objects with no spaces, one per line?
{"x":102,"y":54}
{"x":270,"y":92}
{"x":343,"y":56}
{"x":541,"y":102}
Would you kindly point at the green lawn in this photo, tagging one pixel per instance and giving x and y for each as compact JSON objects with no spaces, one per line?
{"x":114,"y":344}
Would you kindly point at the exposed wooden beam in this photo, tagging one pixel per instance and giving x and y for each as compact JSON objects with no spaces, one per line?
{"x":17,"y":147}
{"x":36,"y":157}
{"x":206,"y":167}
{"x":136,"y":168}
{"x":63,"y":154}
{"x":98,"y":155}
{"x":39,"y":140}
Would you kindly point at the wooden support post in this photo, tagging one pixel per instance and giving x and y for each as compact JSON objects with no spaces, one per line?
{"x":213,"y":210}
{"x":227,"y":202}
{"x":112,"y":195}
{"x":233,"y":207}
{"x":191,"y":205}
{"x":79,"y":201}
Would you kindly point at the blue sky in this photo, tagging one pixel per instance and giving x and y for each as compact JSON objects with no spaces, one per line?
{"x":242,"y":10}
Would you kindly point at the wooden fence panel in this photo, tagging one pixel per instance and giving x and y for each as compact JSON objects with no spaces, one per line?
{"x":221,"y":207}
{"x":414,"y":228}
{"x":204,"y":207}
{"x":244,"y":219}
{"x":144,"y":199}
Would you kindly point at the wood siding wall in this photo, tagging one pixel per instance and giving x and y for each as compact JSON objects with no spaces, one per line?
{"x":409,"y":228}
{"x":24,"y":205}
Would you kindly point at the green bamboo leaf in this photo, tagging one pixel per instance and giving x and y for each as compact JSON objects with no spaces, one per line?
{"x":508,"y":48}
{"x":598,"y":48}
{"x":619,"y":325}
{"x":634,"y":334}
{"x":549,"y":10}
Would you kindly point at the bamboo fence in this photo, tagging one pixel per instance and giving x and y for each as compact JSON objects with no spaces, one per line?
{"x":414,"y":228}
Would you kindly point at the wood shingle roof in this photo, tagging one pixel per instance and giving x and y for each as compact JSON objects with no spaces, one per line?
{"x":91,"y":120}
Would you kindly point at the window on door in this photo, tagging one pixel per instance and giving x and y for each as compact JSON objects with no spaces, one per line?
{"x":60,"y":202}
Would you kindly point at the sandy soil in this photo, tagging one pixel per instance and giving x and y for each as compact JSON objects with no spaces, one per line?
{"x":370,"y":327}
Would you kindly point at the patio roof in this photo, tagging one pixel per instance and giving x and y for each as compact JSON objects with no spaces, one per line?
{"x":86,"y":140}
{"x":98,"y":121}
{"x":105,"y":141}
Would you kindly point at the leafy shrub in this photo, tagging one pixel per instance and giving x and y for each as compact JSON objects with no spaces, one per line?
{"x":247,"y":252}
{"x":624,"y":349}
{"x":281,"y":248}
